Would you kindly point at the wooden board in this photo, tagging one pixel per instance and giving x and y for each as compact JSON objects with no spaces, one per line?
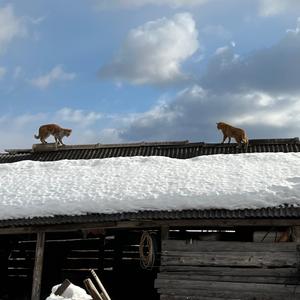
{"x":233,"y":259}
{"x":219,"y":246}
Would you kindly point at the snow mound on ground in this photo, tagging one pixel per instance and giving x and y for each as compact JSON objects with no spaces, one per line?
{"x":129,"y":184}
{"x":73,"y":292}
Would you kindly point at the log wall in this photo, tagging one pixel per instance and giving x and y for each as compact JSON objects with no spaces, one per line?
{"x":228,"y":270}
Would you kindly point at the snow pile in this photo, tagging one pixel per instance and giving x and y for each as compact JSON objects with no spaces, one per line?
{"x":72,"y":292}
{"x":129,"y":184}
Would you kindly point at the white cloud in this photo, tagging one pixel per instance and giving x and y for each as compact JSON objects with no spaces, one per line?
{"x":80,"y":117}
{"x":56,"y":74}
{"x":274,"y":7}
{"x":115,"y":4}
{"x":11,"y":26}
{"x":154,"y":52}
{"x":278,"y":113}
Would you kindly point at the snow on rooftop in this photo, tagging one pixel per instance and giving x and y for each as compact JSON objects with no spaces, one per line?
{"x":129,"y":184}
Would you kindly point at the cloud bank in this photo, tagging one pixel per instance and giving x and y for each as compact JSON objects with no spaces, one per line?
{"x":260,"y":92}
{"x":155,"y":52}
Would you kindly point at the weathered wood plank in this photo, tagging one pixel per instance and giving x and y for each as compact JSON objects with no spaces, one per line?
{"x":274,"y":272}
{"x":218,"y":246}
{"x":229,"y":278}
{"x":232,"y":295}
{"x":187,"y":285}
{"x":235,"y":259}
{"x":78,"y":263}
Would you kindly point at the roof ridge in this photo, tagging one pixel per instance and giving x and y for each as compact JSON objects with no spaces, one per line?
{"x":51,"y":147}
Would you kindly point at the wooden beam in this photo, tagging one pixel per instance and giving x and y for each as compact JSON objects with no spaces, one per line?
{"x":38,"y":266}
{"x":217,"y":223}
{"x":92,"y":289}
{"x":103,"y":291}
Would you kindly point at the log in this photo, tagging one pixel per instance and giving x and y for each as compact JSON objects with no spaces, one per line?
{"x":293,"y":280}
{"x":227,"y":271}
{"x":38,"y":266}
{"x":92,"y":289}
{"x":234,"y":259}
{"x":170,"y":294}
{"x":62,"y":287}
{"x":217,"y":246}
{"x":186,"y":286}
{"x":105,"y":295}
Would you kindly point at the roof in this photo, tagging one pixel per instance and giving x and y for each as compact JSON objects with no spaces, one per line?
{"x":144,"y":218}
{"x":174,"y":149}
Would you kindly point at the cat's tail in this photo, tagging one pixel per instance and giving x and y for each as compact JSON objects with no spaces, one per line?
{"x":37,"y":136}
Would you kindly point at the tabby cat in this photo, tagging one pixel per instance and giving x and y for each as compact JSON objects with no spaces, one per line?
{"x":229,"y":131}
{"x":52,"y":129}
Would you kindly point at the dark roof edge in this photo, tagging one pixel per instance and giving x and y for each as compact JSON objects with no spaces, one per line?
{"x":52,"y":147}
{"x":283,"y":212}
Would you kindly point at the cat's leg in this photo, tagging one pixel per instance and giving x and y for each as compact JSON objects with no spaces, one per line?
{"x":229,"y":140}
{"x":43,"y":139}
{"x":61,"y":142}
{"x":56,"y":141}
{"x":224,"y":138}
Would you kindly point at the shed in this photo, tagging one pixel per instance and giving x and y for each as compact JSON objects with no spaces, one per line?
{"x":194,"y":253}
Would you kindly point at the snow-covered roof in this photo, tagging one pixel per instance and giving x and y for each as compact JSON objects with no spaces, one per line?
{"x":130,"y":184}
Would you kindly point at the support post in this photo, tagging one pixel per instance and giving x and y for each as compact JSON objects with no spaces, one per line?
{"x":164,"y":233}
{"x":296,"y":234}
{"x":38,"y":266}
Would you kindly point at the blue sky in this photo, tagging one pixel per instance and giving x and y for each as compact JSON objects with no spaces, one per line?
{"x":145,"y":70}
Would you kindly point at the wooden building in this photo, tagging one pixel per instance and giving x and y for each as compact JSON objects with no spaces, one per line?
{"x":167,"y":255}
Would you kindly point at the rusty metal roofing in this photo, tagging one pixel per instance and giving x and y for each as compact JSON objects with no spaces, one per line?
{"x":284,"y":212}
{"x":179,"y":149}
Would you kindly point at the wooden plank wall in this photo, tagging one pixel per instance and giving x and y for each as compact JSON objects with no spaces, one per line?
{"x":228,"y":270}
{"x":114,"y":255}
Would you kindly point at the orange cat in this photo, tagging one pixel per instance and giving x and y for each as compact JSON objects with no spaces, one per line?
{"x":229,"y":131}
{"x":52,"y":129}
